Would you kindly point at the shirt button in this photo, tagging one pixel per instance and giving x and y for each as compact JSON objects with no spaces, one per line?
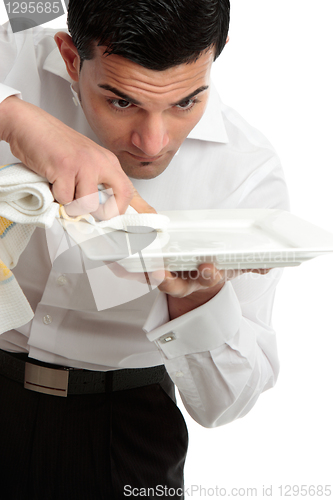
{"x":62,"y":280}
{"x":179,"y":374}
{"x":47,"y":319}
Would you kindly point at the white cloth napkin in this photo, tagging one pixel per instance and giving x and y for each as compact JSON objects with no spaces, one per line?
{"x":26,"y":202}
{"x":25,"y":197}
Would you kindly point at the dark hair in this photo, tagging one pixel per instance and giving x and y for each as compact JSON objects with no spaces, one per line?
{"x":157,"y":34}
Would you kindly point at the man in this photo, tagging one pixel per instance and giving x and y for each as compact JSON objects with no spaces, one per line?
{"x":140,"y":76}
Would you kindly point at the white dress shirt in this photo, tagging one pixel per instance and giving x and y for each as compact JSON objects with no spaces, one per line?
{"x":223,"y":354}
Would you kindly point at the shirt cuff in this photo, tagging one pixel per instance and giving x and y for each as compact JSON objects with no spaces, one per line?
{"x":6,"y":91}
{"x":203,"y":329}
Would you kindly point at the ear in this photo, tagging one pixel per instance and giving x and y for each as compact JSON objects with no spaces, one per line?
{"x":69,"y":54}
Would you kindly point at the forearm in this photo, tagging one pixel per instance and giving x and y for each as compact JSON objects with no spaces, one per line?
{"x":21,"y":127}
{"x":7,"y":107}
{"x":12,"y":125}
{"x":28,"y":131}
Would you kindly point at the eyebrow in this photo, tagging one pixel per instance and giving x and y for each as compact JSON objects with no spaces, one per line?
{"x":119,"y":93}
{"x":131,"y":100}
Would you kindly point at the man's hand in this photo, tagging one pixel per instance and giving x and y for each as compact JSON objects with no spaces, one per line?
{"x":189,"y":290}
{"x":185,"y":290}
{"x":71,"y":162}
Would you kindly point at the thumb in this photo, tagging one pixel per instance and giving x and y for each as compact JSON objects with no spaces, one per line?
{"x":140,"y":205}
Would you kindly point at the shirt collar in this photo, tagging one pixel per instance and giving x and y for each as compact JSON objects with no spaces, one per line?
{"x":210,"y":128}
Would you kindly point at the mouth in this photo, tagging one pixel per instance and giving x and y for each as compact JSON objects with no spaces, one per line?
{"x":145,"y":159}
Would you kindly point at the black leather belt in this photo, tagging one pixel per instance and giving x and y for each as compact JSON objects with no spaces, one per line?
{"x":62,"y":381}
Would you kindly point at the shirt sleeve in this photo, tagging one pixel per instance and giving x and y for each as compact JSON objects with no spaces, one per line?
{"x":8,"y":50}
{"x":19,"y":65}
{"x":6,"y":91}
{"x":223,"y":354}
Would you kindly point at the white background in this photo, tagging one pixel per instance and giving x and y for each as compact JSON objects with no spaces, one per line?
{"x":277,"y":72}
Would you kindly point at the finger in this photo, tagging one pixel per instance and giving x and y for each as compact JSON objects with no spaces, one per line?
{"x":177,"y":286}
{"x":140,"y":205}
{"x":257,"y":271}
{"x":123,"y":193}
{"x":144,"y":277}
{"x":87,"y":191}
{"x":107,"y":210}
{"x":262,"y":271}
{"x":110,"y":207}
{"x":63,"y":191}
{"x":209,"y":275}
{"x":83,"y":204}
{"x":233,"y":273}
{"x":114,"y":177}
{"x":121,"y":272}
{"x":117,"y":269}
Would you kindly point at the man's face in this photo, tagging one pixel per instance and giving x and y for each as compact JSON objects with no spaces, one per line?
{"x":142,"y":115}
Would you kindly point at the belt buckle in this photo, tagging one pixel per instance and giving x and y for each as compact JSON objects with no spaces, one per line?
{"x":46,"y":380}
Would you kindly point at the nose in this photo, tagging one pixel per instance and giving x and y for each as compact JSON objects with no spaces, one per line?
{"x":150,"y":135}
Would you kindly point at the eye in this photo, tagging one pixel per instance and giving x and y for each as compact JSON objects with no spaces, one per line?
{"x":119,"y":103}
{"x":186,"y":105}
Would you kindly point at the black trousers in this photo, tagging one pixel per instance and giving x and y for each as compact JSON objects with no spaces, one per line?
{"x":91,"y":447}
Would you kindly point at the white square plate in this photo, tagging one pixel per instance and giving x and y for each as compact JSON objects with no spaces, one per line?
{"x":230,"y":239}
